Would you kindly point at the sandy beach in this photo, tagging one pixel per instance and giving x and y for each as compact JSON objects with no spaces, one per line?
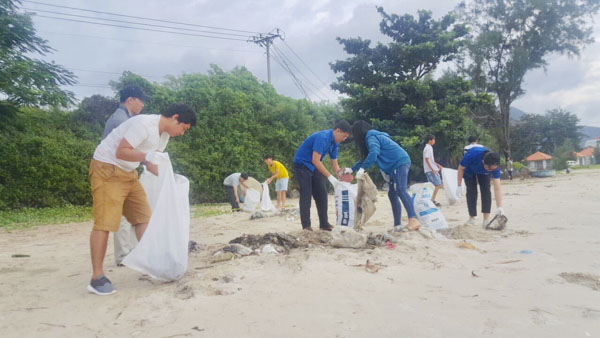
{"x":540,"y":277}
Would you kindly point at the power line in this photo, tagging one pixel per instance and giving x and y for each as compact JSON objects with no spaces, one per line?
{"x":131,"y":22}
{"x":317,"y":90}
{"x":287,"y":69}
{"x":138,"y":28}
{"x":307,"y":67}
{"x":138,"y":17}
{"x":149,"y":42}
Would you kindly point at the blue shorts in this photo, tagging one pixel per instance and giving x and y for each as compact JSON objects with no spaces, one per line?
{"x":434,"y":178}
{"x":281,"y":184}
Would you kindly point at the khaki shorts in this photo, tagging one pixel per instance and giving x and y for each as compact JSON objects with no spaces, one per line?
{"x":117,"y":192}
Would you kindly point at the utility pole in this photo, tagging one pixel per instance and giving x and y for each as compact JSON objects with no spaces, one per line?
{"x":266,"y":40}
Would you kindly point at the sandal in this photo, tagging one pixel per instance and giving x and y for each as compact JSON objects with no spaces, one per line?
{"x":437,"y":204}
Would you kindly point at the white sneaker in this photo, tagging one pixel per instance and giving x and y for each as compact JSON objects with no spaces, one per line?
{"x":399,"y":228}
{"x":485,"y":223}
{"x":470,"y":222}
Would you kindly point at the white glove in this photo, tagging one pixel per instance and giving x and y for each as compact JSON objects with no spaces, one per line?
{"x":499,"y":211}
{"x":359,"y":173}
{"x":347,"y":170}
{"x":332,"y":180}
{"x":459,"y":192}
{"x":156,"y":157}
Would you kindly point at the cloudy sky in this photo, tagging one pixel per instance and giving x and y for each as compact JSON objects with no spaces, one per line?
{"x":98,"y":54}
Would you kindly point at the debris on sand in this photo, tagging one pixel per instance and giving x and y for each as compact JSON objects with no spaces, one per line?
{"x":238,"y":249}
{"x":257,"y":215}
{"x":284,"y":240}
{"x":347,"y":238}
{"x":585,"y":279}
{"x":466,"y":245}
{"x":222,"y":256}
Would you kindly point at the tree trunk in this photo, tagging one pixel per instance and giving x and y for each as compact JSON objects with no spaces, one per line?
{"x":504,"y":102}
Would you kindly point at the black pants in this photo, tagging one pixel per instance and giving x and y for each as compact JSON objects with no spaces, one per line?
{"x":312,"y":184}
{"x":486,"y":195}
{"x":510,"y":174}
{"x":231,"y":197}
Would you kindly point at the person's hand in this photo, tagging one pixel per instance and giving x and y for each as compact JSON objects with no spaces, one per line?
{"x":459,"y":192}
{"x":156,"y":157}
{"x":332,"y":180}
{"x":151,"y":167}
{"x":269,"y":181}
{"x":237,"y":200}
{"x":360,"y":173}
{"x":347,"y":170}
{"x":499,"y":211}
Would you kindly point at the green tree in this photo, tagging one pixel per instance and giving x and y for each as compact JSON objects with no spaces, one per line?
{"x":545,"y":133}
{"x":392,"y":85}
{"x":24,"y":80}
{"x":563,"y":153}
{"x":511,"y":37}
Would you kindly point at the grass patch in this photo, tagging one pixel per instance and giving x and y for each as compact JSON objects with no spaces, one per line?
{"x":593,"y":166}
{"x":208,"y":210}
{"x":28,"y":217}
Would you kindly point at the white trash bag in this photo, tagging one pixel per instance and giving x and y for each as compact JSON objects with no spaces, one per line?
{"x":428,"y":214}
{"x":163,"y":250}
{"x":265,"y":202}
{"x":251,"y":200}
{"x":450,"y":184}
{"x":345,"y":203}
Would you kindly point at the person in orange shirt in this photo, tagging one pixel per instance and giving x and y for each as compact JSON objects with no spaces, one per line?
{"x":280,"y":173}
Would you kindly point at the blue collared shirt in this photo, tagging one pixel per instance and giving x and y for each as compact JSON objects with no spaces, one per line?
{"x":473,"y":163}
{"x":322,"y":142}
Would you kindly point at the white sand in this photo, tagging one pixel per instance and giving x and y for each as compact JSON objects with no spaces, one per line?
{"x":427,"y":288}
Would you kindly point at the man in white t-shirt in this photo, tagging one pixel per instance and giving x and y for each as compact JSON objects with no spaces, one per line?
{"x":432,"y":169}
{"x":114,"y":181}
{"x":473,"y":142}
{"x":231,"y":184}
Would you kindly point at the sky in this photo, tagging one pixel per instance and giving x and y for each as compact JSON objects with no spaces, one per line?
{"x":98,"y":54}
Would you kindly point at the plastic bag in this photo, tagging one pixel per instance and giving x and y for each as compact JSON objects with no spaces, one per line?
{"x":450,"y":184}
{"x":345,"y":203}
{"x":365,"y":201}
{"x":163,"y":250}
{"x":265,"y":202}
{"x":428,"y":214}
{"x":344,"y":237}
{"x":251,"y":200}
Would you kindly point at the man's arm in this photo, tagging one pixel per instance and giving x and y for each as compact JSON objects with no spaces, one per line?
{"x":461,"y":172}
{"x":316,"y":161}
{"x":126,"y":152}
{"x":270,"y":179}
{"x":497,"y":192}
{"x":335,"y":166}
{"x":429,"y":164}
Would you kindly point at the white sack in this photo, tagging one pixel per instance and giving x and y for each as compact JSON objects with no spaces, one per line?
{"x":428,"y":214}
{"x":450,"y":184}
{"x":251,"y":200}
{"x":265,"y":202}
{"x":163,"y":250}
{"x":345,"y":203}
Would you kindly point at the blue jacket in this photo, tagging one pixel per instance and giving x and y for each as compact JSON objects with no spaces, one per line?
{"x":384,"y":151}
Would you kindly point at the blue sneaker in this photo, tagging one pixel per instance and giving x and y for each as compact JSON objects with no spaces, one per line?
{"x":101,"y":286}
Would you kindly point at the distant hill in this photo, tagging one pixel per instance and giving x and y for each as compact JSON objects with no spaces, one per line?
{"x":516,"y":114}
{"x":589,"y":131}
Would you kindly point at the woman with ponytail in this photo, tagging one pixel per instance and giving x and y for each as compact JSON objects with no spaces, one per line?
{"x":377,"y":147}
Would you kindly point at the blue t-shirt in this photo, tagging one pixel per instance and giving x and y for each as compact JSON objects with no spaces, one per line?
{"x":384,"y":151}
{"x":473,"y":163}
{"x":322,"y":142}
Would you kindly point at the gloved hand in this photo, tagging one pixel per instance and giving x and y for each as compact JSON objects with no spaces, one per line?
{"x":459,"y":192}
{"x":156,"y":157}
{"x":499,"y":211}
{"x":347,"y":170}
{"x":332,"y":180}
{"x":360,"y":173}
